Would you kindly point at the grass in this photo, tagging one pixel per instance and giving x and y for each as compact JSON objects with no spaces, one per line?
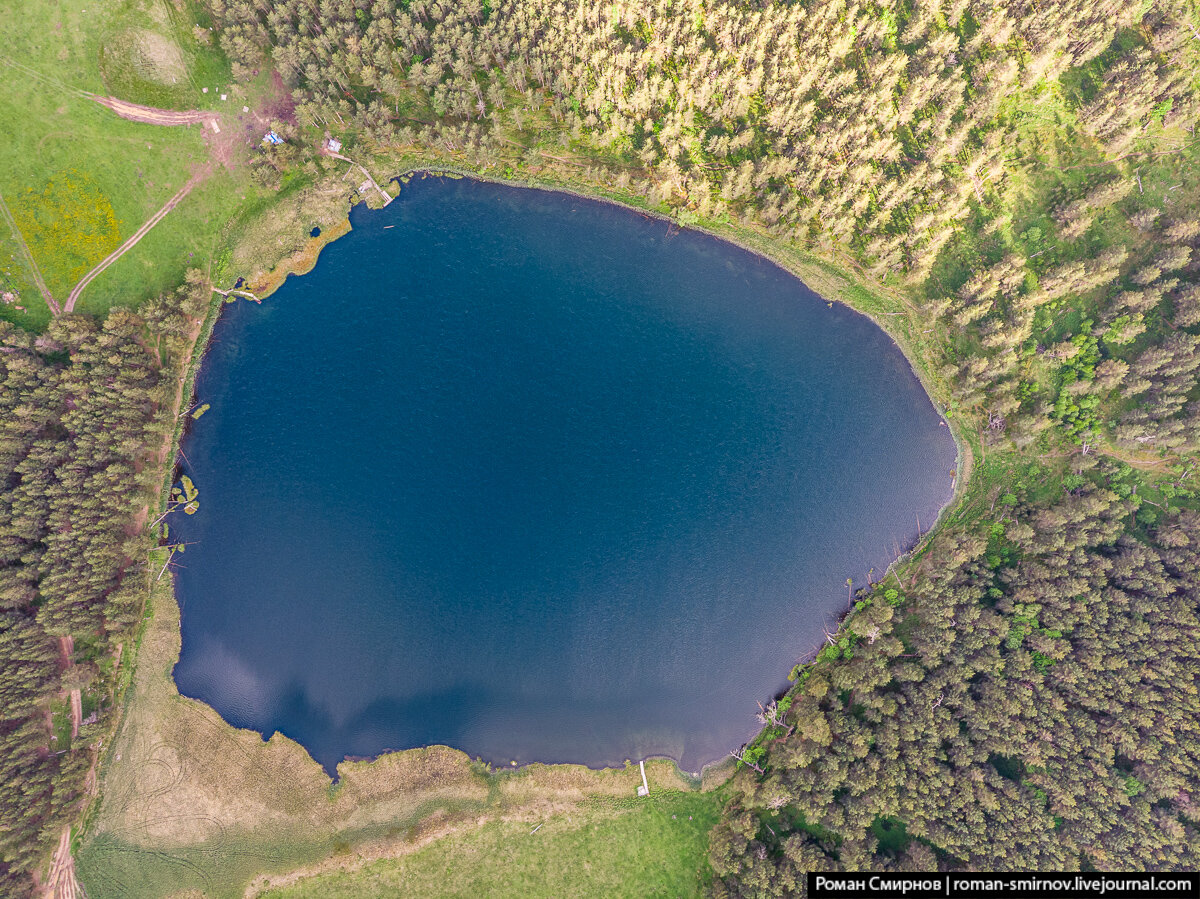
{"x":271,"y":239}
{"x":162,"y":54}
{"x":78,"y":179}
{"x":60,"y":717}
{"x":653,"y":848}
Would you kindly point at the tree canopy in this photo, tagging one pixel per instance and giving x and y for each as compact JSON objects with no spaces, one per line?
{"x":85,"y":412}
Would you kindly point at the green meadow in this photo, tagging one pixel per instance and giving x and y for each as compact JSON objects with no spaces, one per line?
{"x":78,"y":180}
{"x":654,"y":847}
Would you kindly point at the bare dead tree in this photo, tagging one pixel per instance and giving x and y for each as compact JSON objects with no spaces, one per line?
{"x":740,"y":755}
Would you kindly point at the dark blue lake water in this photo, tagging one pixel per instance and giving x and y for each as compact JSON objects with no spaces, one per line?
{"x":539,"y":478}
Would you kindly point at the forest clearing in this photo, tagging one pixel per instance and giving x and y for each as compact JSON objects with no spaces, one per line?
{"x":79,"y":180}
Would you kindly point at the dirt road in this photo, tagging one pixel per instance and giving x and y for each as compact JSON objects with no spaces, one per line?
{"x":135,"y":112}
{"x":141,"y":232}
{"x":76,"y":712}
{"x":66,"y":649}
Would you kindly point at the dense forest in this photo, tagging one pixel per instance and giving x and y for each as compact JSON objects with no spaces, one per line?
{"x":1026,"y":696}
{"x":85,"y":416}
{"x":1018,"y":176}
{"x":1027,"y":701}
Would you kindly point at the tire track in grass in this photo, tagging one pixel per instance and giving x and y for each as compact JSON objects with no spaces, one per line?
{"x":129,"y":244}
{"x":149,"y":115}
{"x":33,"y":269}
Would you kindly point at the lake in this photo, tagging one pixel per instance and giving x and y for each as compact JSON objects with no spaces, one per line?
{"x":539,"y":478}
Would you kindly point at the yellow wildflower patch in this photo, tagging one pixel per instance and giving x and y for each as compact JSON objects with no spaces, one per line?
{"x":69,"y":226}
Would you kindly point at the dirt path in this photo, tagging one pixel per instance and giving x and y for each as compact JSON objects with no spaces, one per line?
{"x":62,"y":883}
{"x":135,"y":112}
{"x":33,"y":269}
{"x":141,"y":232}
{"x":76,"y":712}
{"x":1146,"y":463}
{"x":66,"y":649}
{"x":1143,"y":462}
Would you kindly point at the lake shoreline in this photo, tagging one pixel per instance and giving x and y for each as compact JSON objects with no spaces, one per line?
{"x":782,"y":270}
{"x":153,"y":671}
{"x":711,"y":774}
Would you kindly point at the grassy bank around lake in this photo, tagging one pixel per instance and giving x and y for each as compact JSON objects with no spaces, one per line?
{"x":188,"y":801}
{"x":190,"y":804}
